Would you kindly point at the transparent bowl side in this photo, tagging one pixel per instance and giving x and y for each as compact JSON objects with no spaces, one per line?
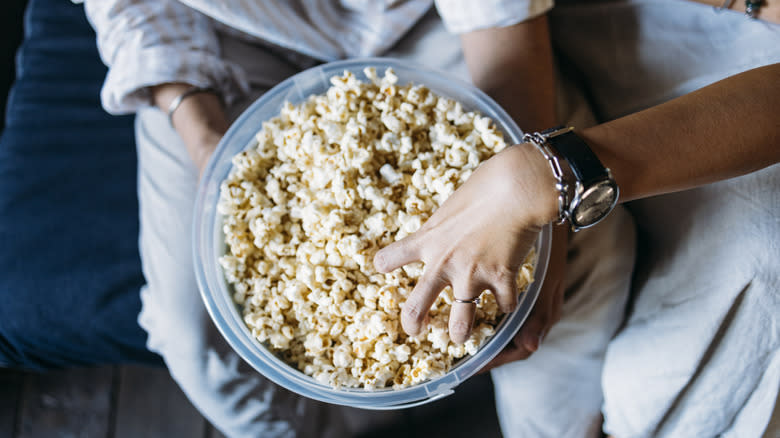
{"x":209,"y":245}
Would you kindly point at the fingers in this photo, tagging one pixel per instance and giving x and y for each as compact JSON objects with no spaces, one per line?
{"x":545,"y":313}
{"x":506,"y":292}
{"x":415,"y":309}
{"x":461,"y":321}
{"x":548,"y":307}
{"x":462,"y":314}
{"x":397,"y":254}
{"x":511,"y":353}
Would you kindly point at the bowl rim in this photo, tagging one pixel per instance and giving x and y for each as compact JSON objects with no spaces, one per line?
{"x":219,"y":302}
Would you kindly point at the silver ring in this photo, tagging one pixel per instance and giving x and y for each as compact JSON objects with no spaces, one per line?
{"x":471,"y":301}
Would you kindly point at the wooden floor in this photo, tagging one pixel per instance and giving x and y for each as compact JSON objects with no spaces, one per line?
{"x":110,"y":402}
{"x":136,"y":401}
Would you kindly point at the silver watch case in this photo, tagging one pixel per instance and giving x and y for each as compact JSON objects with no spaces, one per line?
{"x":593,"y":203}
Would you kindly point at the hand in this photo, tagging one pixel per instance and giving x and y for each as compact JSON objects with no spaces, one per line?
{"x":477,"y":240}
{"x":546,"y":311}
{"x":200,"y":120}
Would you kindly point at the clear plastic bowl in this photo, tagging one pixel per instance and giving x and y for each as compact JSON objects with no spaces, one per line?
{"x":210,"y":245}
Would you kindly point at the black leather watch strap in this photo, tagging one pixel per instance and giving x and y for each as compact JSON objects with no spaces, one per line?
{"x":584,"y":163}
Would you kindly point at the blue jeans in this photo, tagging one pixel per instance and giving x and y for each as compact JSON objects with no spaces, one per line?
{"x":69,"y":266}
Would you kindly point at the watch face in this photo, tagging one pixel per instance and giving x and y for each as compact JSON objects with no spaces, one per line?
{"x":594,"y":203}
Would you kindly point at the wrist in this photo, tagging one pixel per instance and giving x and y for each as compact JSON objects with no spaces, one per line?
{"x":601,"y":141}
{"x":199,"y":119}
{"x":164,"y":94}
{"x":201,"y":150}
{"x":535,"y":182}
{"x":589,"y":192}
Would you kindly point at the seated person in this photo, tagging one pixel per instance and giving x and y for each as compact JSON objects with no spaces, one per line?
{"x":701,"y":301}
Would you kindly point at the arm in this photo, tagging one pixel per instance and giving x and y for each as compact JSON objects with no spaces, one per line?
{"x":200,"y":120}
{"x":727,"y":129}
{"x":156,"y":49}
{"x":514,"y":65}
{"x":724,"y":130}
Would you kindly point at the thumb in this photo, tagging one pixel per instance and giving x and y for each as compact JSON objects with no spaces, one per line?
{"x":397,"y":254}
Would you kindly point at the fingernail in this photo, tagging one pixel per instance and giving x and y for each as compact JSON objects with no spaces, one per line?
{"x":379,"y":262}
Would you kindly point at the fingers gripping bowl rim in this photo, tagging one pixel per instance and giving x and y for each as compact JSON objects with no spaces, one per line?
{"x":209,"y":245}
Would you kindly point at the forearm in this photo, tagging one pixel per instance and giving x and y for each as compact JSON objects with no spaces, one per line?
{"x":199,"y":120}
{"x":727,"y":129}
{"x":156,"y":50}
{"x":150,"y":42}
{"x":514,"y":65}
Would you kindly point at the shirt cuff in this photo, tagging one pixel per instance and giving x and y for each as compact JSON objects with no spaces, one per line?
{"x":126,"y":88}
{"x":462,"y":16}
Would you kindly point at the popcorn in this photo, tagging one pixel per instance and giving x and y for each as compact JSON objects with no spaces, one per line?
{"x":328,"y":183}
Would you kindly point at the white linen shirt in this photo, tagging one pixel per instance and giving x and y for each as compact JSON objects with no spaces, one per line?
{"x":149,"y":42}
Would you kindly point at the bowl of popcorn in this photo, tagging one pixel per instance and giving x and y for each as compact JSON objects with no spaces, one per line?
{"x":306,"y":186}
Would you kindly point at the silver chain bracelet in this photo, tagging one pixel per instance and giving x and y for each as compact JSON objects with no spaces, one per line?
{"x":541,"y":145}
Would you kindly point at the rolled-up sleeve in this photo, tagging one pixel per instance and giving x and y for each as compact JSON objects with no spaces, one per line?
{"x":150,"y":42}
{"x":462,"y":16}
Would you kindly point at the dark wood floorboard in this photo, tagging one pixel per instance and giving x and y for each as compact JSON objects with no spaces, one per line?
{"x":150,"y":404}
{"x":136,"y":401}
{"x":10,"y":397}
{"x":72,"y":403}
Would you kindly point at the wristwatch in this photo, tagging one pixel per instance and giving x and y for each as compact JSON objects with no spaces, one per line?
{"x":595,"y":193}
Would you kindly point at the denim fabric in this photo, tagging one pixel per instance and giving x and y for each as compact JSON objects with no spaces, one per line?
{"x":69,"y":266}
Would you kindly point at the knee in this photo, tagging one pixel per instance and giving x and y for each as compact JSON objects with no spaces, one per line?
{"x":67,"y":330}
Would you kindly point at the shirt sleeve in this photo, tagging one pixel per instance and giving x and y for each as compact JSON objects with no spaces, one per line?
{"x":150,"y":42}
{"x":462,"y":16}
